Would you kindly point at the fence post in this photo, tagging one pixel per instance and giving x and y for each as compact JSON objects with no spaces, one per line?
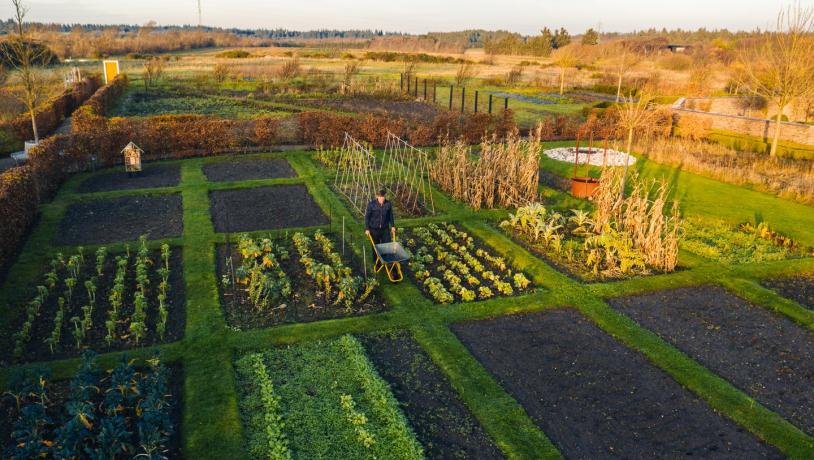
{"x":463,"y":99}
{"x":506,"y":104}
{"x":401,"y":82}
{"x":451,"y":91}
{"x":476,"y":101}
{"x":434,"y":92}
{"x":425,"y":90}
{"x":408,"y":84}
{"x":416,"y":87}
{"x":490,"y":103}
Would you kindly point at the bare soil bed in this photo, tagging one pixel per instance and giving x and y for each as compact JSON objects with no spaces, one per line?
{"x":798,"y":288}
{"x":306,"y":304}
{"x":595,"y":398}
{"x":414,"y":110}
{"x":240,"y":169}
{"x":150,"y":177}
{"x":764,"y":354}
{"x":264,"y":208}
{"x":121,"y":219}
{"x":441,"y":421}
{"x":38,"y":350}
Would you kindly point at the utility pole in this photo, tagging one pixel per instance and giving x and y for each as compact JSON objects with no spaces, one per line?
{"x":200,"y":21}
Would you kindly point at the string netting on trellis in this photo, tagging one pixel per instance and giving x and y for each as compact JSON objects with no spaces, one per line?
{"x":401,"y":169}
{"x":405,"y":174}
{"x":357,"y":174}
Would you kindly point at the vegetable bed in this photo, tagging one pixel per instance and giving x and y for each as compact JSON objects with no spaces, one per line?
{"x":121,"y":219}
{"x":594,"y":398}
{"x":150,"y":177}
{"x":764,"y":354}
{"x":265,"y":282}
{"x":320,"y":399}
{"x":799,"y":288}
{"x":264,"y":208}
{"x":443,"y":424}
{"x":103,"y":302}
{"x":449,"y":265}
{"x":128,"y":412}
{"x":240,"y":169}
{"x":747,"y":243}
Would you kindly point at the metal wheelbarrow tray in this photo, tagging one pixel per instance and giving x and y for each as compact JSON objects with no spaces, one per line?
{"x":389,"y":257}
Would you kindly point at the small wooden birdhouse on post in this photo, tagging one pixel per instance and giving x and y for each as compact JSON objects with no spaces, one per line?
{"x":132,"y":158}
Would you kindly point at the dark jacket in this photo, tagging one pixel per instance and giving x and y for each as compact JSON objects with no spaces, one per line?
{"x":377,"y":216}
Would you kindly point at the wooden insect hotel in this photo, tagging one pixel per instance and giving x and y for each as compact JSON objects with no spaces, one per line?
{"x":132,"y":158}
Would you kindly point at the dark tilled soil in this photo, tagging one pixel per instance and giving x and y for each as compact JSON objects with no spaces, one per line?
{"x":150,"y":177}
{"x":59,"y":392}
{"x":554,"y":181}
{"x":595,"y":398}
{"x":248,"y":169}
{"x":443,"y":424}
{"x":414,"y":110}
{"x":264,"y":208}
{"x":764,"y":354}
{"x":121,"y":219}
{"x":38,"y":350}
{"x":305,"y":305}
{"x":798,"y":288}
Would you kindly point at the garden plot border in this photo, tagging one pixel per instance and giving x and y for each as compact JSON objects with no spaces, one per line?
{"x":211,"y":418}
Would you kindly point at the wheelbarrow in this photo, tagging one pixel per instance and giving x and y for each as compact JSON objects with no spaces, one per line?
{"x":389,"y":257}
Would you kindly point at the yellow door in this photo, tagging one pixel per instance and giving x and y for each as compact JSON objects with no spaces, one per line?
{"x":111,"y":70}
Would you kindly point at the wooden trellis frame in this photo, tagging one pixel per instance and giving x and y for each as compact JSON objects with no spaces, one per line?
{"x":409,"y":170}
{"x":403,"y":171}
{"x":356,"y":177}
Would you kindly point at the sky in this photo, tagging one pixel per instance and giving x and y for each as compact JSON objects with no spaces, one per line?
{"x":418,"y":16}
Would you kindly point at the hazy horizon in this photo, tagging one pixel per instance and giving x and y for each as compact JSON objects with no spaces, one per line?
{"x":421,"y":16}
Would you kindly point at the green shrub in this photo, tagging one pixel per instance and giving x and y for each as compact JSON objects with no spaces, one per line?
{"x":233,"y":54}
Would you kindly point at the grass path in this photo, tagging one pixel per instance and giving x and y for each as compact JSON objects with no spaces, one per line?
{"x":211,"y":421}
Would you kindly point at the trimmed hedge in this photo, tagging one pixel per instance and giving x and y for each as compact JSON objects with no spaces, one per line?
{"x":49,"y":116}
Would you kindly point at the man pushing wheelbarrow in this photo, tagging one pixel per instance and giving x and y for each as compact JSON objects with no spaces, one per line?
{"x":381,"y":230}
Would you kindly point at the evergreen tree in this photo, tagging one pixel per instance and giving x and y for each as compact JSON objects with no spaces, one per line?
{"x":591,"y":37}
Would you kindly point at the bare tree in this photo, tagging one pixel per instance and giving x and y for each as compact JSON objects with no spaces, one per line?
{"x":624,"y":59}
{"x":780,"y":65}
{"x":633,"y":115}
{"x":25,"y":57}
{"x":220,"y":72}
{"x":352,"y":68}
{"x":466,"y":71}
{"x":153,"y":70}
{"x":566,"y":58}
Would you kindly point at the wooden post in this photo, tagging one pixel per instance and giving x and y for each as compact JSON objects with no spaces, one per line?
{"x":408,"y":86}
{"x":476,"y":101}
{"x":490,"y":103}
{"x":434,"y":92}
{"x":401,"y":82}
{"x":451,"y":91}
{"x":463,"y":99}
{"x":576,"y":157}
{"x":506,"y":104}
{"x":425,"y":89}
{"x":416,"y":87}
